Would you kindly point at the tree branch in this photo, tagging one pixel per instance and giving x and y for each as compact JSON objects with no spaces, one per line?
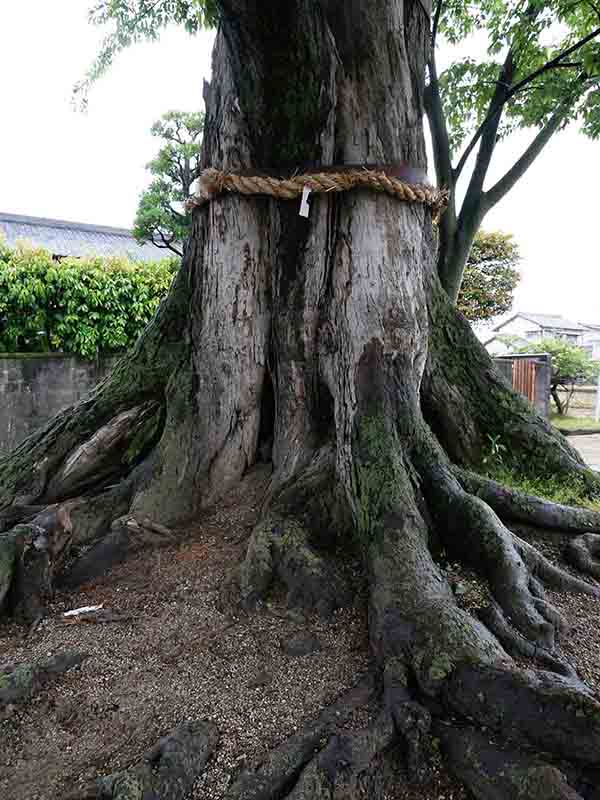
{"x":436,"y":25}
{"x":439,"y":128}
{"x":176,"y":213}
{"x":167,"y":244}
{"x":489,"y":131}
{"x":520,"y":167}
{"x":495,"y":109}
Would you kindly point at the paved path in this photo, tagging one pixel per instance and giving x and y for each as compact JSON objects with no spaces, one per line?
{"x":589,"y":447}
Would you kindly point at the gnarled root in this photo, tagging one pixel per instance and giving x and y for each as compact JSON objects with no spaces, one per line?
{"x":30,"y":556}
{"x":473,"y":532}
{"x":550,"y":574}
{"x":168,"y":770}
{"x":283,"y":765}
{"x":341,"y":768}
{"x":516,"y":506}
{"x":520,"y":703}
{"x":18,"y":683}
{"x":584,"y":553}
{"x":281,"y":548}
{"x":495,"y":771}
{"x":517,"y":645}
{"x":412,"y":720}
{"x":324,"y":761}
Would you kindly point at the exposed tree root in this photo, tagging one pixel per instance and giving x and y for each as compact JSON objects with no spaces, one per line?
{"x":323,"y":761}
{"x":302,"y":513}
{"x":519,"y":704}
{"x":542,"y":569}
{"x":341,"y":768}
{"x":127,"y":535}
{"x":168,"y":770}
{"x":495,"y":771}
{"x":472,"y":531}
{"x":584,"y":553}
{"x":512,"y":505}
{"x":284,"y":764}
{"x":517,"y":645}
{"x":31,"y":554}
{"x":412,"y":721}
{"x":18,"y":683}
{"x":280,"y":550}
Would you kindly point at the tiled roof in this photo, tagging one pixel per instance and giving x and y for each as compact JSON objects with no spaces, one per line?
{"x":545,"y":321}
{"x":76,"y":239}
{"x":551,"y":321}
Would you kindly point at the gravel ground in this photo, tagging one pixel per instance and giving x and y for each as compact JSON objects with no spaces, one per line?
{"x":177,"y":657}
{"x":581,"y":643}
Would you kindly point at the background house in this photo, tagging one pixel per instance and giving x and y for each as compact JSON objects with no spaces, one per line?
{"x":528,"y":327}
{"x":591,"y":340}
{"x":76,"y":239}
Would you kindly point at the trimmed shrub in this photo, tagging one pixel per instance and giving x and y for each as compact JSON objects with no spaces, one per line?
{"x":85,"y":306}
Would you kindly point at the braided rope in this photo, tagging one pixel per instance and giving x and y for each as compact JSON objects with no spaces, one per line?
{"x":214,"y":182}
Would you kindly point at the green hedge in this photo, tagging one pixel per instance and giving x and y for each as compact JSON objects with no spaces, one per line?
{"x":85,"y":306}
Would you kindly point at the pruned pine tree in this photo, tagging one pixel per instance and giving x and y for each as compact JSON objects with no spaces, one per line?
{"x":383,"y":405}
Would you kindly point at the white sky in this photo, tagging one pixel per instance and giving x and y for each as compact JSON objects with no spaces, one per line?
{"x":91,"y":167}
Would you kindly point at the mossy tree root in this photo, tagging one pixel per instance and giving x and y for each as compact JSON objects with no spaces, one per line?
{"x":514,"y":506}
{"x":494,"y":770}
{"x":516,"y":644}
{"x":280,"y":552}
{"x":472,"y":532}
{"x":326,"y":761}
{"x":552,"y":576}
{"x":293,"y":544}
{"x":168,"y":770}
{"x":283,"y":765}
{"x":584,"y":553}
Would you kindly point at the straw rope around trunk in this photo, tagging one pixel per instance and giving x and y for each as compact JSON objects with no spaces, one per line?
{"x":214,"y":182}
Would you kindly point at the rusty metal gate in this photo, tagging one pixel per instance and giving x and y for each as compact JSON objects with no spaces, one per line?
{"x":529,"y":374}
{"x":523,"y":377}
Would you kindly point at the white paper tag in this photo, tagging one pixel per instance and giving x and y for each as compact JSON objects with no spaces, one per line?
{"x":304,"y":205}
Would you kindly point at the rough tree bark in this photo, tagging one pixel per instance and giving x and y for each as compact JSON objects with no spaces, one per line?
{"x":333,"y":338}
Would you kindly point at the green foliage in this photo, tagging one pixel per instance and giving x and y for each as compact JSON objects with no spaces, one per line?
{"x":535,"y":32}
{"x":575,"y":423}
{"x":570,"y":491}
{"x":495,"y":452}
{"x":490,"y":277}
{"x":82,"y":306}
{"x":569,"y":362}
{"x":132,"y":21}
{"x":161,"y":217}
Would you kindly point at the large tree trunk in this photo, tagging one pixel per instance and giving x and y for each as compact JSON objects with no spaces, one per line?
{"x":332,"y":338}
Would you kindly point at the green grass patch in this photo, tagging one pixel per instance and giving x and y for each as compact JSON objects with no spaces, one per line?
{"x":574,"y":423}
{"x":569,"y":492}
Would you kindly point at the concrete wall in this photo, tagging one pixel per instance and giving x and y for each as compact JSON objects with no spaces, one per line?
{"x":33,"y":388}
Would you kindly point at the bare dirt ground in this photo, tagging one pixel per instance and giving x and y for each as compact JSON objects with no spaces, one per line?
{"x":176,"y":656}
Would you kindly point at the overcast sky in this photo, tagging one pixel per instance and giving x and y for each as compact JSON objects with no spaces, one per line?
{"x":90,"y":167}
